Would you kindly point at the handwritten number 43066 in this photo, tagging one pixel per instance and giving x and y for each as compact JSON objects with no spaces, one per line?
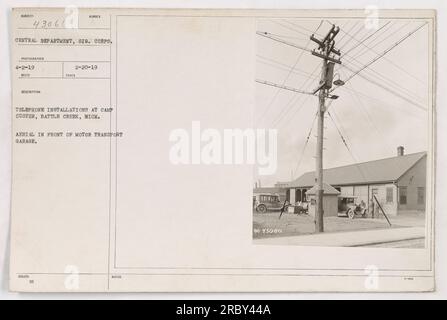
{"x":47,"y":24}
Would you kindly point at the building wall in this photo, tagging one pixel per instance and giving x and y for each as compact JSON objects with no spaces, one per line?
{"x":347,"y":191}
{"x":389,"y":205}
{"x":360,"y":191}
{"x":364,"y":192}
{"x":413,"y":179}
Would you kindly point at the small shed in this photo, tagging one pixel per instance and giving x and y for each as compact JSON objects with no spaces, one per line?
{"x":330,"y":200}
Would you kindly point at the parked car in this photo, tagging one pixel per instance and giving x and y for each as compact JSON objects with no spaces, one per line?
{"x":349,"y":206}
{"x":302,"y":207}
{"x":267,"y":202}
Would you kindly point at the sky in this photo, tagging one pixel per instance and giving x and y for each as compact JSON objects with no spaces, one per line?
{"x":382,"y":107}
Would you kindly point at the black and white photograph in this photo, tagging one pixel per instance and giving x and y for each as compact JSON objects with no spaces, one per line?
{"x":350,"y":100}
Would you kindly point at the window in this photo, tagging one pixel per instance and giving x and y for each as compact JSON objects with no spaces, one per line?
{"x":403,"y":195}
{"x":389,"y":195}
{"x":421,"y":195}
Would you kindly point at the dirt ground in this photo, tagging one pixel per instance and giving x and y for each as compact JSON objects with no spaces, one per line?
{"x":269,"y":225}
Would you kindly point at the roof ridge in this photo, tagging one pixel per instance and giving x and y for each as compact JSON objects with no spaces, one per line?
{"x":359,"y":163}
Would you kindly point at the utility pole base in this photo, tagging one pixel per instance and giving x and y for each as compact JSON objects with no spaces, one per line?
{"x":319,"y":225}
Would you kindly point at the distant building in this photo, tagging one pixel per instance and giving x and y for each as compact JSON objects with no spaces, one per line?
{"x":399,"y":183}
{"x":282,"y":184}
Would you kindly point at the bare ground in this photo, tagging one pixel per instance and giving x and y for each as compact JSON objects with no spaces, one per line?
{"x":269,"y":225}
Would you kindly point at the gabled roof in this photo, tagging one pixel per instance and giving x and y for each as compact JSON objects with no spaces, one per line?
{"x":376,"y":171}
{"x":327,"y":189}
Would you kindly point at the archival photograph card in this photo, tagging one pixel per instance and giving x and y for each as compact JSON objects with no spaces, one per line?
{"x":222,"y":150}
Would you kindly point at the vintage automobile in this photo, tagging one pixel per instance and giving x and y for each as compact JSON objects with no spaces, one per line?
{"x":349,"y":206}
{"x":267,"y":202}
{"x":301,"y":207}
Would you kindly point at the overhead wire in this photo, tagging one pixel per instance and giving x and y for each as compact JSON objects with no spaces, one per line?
{"x":285,"y":67}
{"x":286,"y":78}
{"x":290,"y":103}
{"x":369,"y":72}
{"x":363,"y":40}
{"x":356,"y":97}
{"x":356,"y":72}
{"x":351,"y":59}
{"x":345,"y":143}
{"x":286,"y":109}
{"x":376,"y":42}
{"x":300,"y":159}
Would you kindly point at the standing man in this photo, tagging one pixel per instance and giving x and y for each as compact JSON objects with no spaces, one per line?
{"x":372,"y":207}
{"x":284,"y":208}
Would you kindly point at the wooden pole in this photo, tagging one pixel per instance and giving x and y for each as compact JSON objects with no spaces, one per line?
{"x":383,"y":211}
{"x":326,"y":48}
{"x":319,"y":223}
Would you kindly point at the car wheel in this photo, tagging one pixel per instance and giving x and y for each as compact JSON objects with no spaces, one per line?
{"x":351,"y":214}
{"x":262,"y":208}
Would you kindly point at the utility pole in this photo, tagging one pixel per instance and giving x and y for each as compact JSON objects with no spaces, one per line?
{"x":327,"y":52}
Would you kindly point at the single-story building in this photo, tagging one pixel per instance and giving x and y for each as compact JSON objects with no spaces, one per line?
{"x":399,"y":183}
